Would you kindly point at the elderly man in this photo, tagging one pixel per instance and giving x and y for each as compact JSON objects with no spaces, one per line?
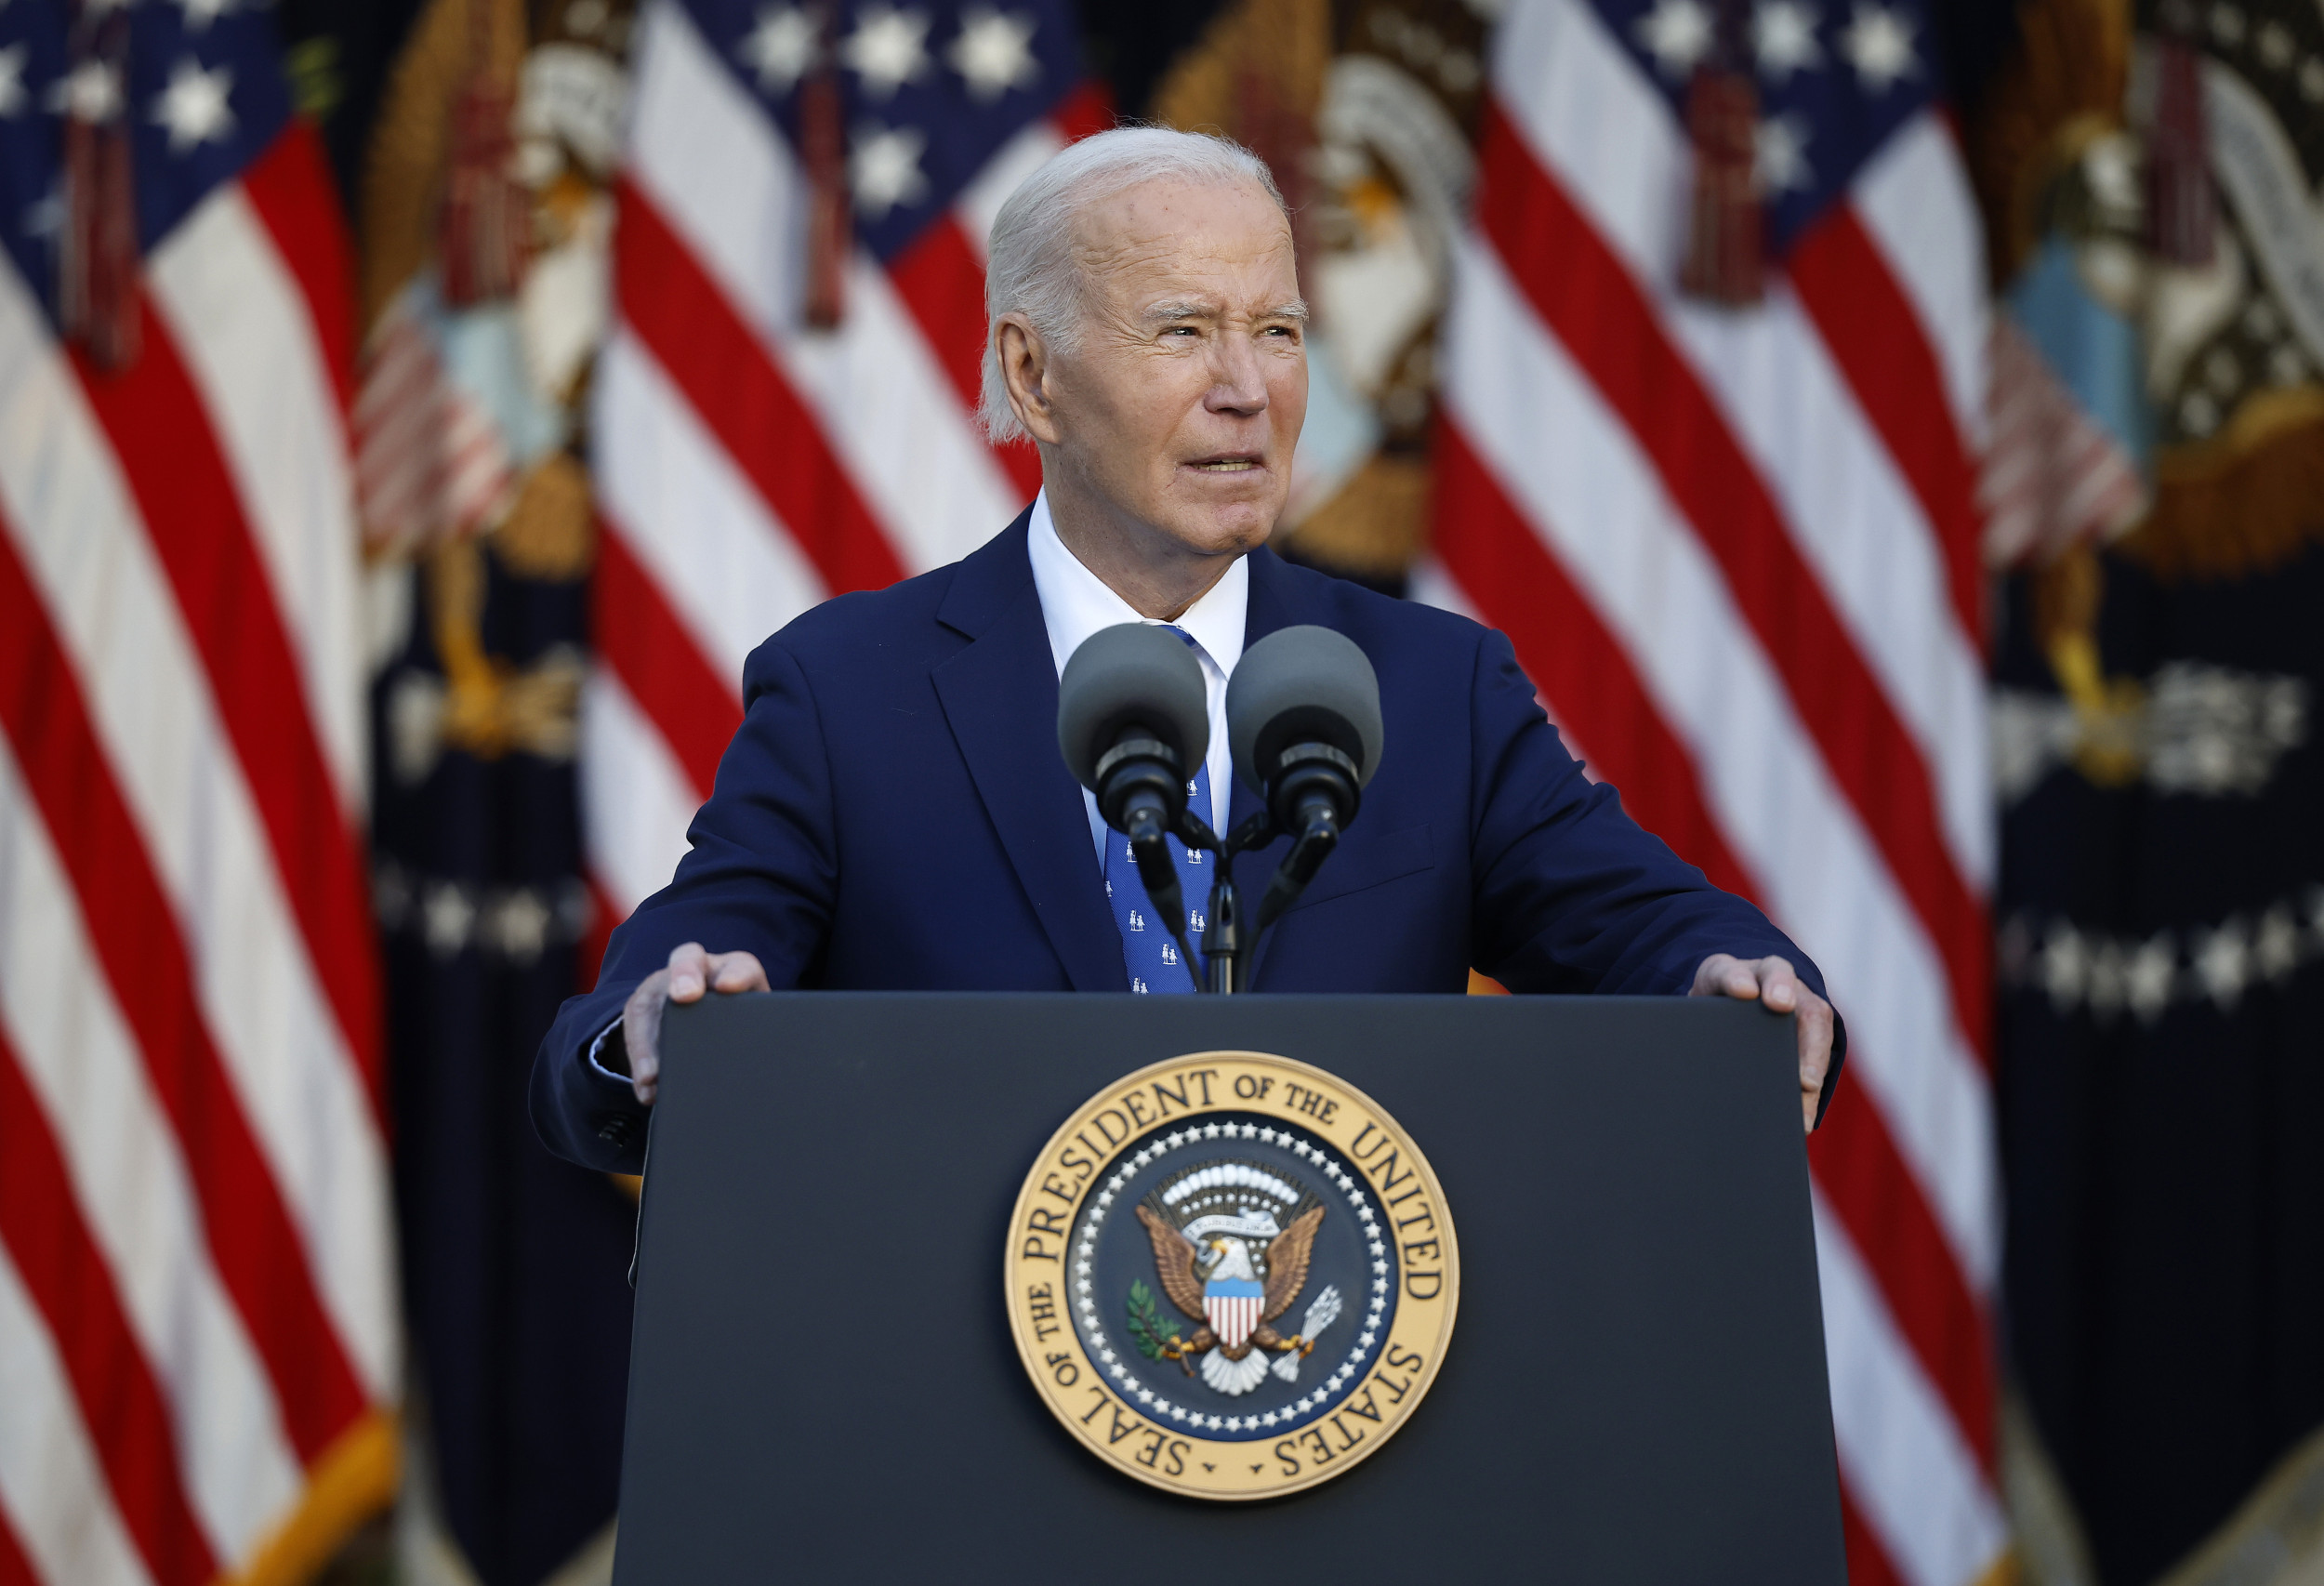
{"x":894,"y":812}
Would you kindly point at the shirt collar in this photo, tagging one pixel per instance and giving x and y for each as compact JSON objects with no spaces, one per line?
{"x":1076,"y":602}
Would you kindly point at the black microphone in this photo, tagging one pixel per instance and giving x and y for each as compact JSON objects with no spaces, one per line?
{"x":1132,"y":721}
{"x":1302,"y":715}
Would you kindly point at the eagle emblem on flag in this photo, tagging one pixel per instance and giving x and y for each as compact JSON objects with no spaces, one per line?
{"x":1234,"y":1268}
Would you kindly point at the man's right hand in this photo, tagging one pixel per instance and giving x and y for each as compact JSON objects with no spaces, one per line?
{"x":690,"y":973}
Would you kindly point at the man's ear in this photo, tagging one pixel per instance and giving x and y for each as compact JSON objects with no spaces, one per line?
{"x":1025,"y":369}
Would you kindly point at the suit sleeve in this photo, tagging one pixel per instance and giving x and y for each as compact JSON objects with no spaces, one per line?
{"x":759,"y":876}
{"x":1572,"y":896}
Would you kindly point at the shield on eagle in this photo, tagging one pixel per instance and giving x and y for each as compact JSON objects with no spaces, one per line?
{"x":1230,"y":1305}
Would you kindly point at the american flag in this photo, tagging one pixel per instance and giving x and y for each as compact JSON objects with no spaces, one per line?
{"x":780,"y":415}
{"x":1736,"y":547}
{"x":197,"y":1333}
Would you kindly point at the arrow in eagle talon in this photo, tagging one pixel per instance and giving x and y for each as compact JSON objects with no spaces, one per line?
{"x":1321,"y":1313}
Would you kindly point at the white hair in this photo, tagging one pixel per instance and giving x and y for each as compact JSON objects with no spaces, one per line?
{"x":1030,"y":268}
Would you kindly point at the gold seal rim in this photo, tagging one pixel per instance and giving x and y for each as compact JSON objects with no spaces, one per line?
{"x":1029,"y":1348}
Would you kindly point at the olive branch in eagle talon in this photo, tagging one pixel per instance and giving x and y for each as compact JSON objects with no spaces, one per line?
{"x":1154,"y":1333}
{"x":1179,"y":1264}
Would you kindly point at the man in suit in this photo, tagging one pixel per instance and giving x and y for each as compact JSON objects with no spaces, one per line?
{"x":893,"y":811}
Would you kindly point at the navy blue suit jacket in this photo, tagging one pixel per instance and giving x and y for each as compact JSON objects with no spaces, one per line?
{"x":893,"y":814}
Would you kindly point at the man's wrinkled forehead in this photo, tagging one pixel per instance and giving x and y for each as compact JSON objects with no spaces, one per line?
{"x":1170,"y":240}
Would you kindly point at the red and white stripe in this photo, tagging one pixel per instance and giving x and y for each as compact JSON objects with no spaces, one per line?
{"x":1231,"y":1317}
{"x":1738,"y":555}
{"x":196,"y":1288}
{"x":746,"y":467}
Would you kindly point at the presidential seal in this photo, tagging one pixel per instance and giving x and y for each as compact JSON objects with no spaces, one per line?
{"x":1232,"y":1275}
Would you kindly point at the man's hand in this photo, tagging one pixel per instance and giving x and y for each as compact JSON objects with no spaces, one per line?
{"x":1772,"y":982}
{"x":691,"y":972}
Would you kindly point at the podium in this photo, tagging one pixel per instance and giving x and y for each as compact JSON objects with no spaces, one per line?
{"x":824,"y":1386}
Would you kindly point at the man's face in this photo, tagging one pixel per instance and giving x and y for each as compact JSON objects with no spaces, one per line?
{"x":1182,"y":403}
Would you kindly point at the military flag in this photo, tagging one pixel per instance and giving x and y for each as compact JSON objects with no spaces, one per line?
{"x":2162,"y":906}
{"x":486,"y":210}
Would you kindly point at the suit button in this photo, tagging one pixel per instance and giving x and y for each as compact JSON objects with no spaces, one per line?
{"x":614,"y":1131}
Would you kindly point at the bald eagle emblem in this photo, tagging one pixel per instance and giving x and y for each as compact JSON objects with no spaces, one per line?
{"x":1232,"y":1242}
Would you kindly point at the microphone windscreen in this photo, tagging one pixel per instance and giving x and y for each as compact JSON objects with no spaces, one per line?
{"x":1134,"y":673}
{"x":1300,"y":685}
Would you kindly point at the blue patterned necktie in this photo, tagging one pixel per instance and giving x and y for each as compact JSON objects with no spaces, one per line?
{"x":1148,"y":950}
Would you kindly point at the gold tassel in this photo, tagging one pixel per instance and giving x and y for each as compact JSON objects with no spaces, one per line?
{"x":2180,"y":212}
{"x":1723,"y":261}
{"x":487,"y":213}
{"x":97,"y":265}
{"x":830,"y":222}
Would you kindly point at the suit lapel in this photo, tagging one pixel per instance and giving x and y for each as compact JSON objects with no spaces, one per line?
{"x":1274,"y":604}
{"x":999,"y":698}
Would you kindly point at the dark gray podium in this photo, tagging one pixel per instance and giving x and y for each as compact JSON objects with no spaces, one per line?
{"x":823,"y":1386}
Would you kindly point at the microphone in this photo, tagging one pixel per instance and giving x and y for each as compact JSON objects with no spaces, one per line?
{"x":1302,"y":714}
{"x":1132,"y":717}
{"x":1132,"y":721}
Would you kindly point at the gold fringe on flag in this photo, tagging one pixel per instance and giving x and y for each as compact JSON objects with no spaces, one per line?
{"x":353,"y":1481}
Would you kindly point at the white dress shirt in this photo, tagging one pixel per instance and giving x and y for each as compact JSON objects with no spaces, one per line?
{"x":1075,"y":603}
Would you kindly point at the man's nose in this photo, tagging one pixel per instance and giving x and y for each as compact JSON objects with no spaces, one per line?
{"x":1238,"y":384}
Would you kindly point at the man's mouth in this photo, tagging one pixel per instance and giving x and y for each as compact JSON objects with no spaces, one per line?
{"x":1237,"y":462}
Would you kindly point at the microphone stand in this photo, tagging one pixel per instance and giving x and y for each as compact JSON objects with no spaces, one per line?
{"x":1224,"y":946}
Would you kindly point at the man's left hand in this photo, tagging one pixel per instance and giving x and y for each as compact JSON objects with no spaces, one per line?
{"x":1771,"y":982}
